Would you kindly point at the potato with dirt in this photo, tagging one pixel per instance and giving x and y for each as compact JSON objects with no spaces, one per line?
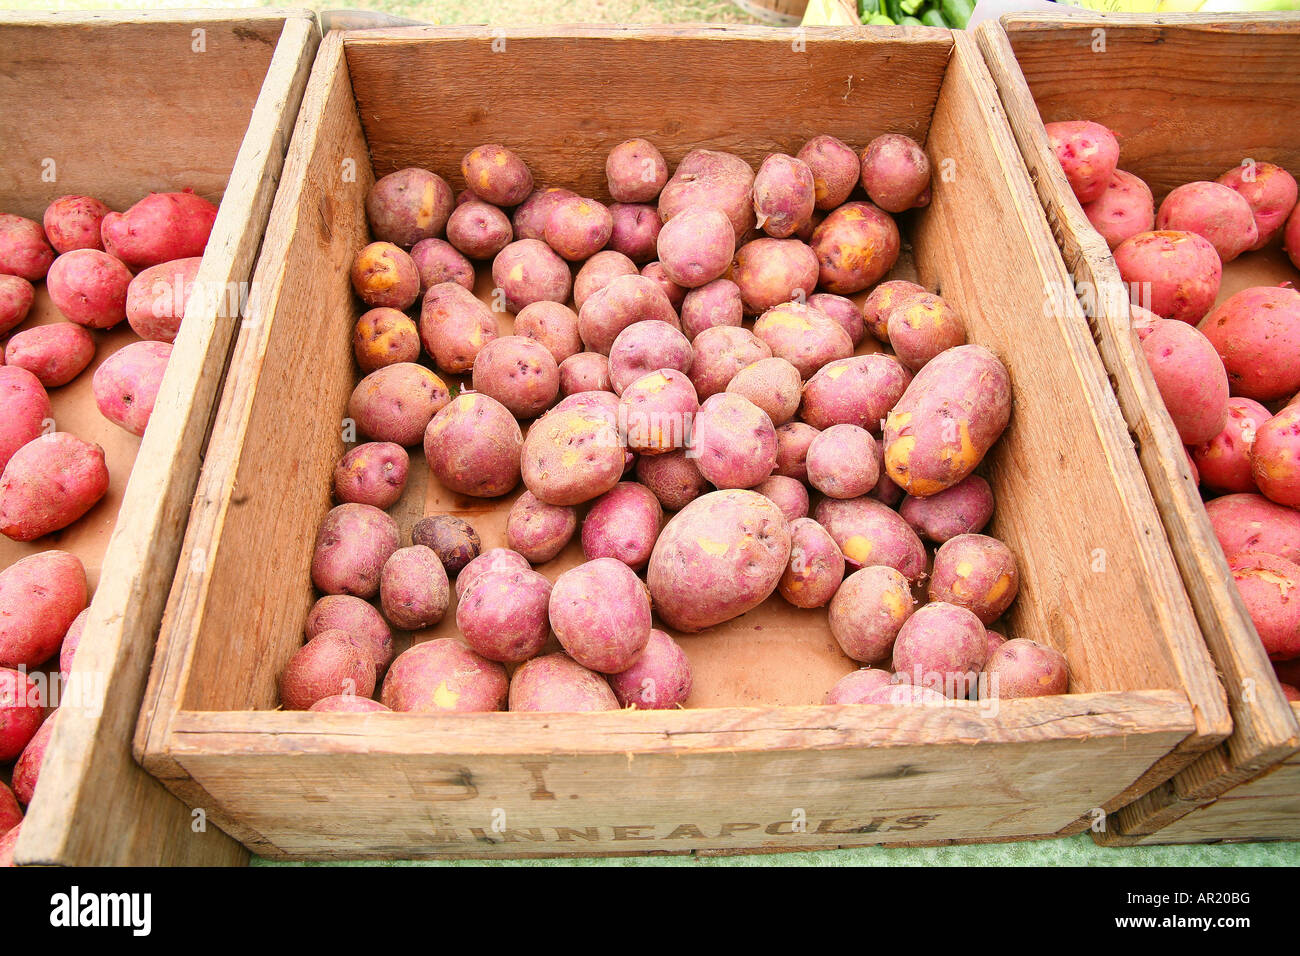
{"x":1255,"y":332}
{"x":623,"y":524}
{"x":1124,"y":209}
{"x":444,"y":675}
{"x":384,"y":337}
{"x":89,"y":287}
{"x":1179,"y":272}
{"x":572,"y":456}
{"x":537,"y":530}
{"x":624,"y":301}
{"x":473,"y":446}
{"x":24,"y":250}
{"x":385,"y":276}
{"x":870,"y":533}
{"x":635,"y":231}
{"x":556,"y":683}
{"x":965,"y":508}
{"x":1269,"y":191}
{"x":720,"y":556}
{"x":1213,"y":211}
{"x":950,"y":416}
{"x":413,"y":589}
{"x":331,"y":664}
{"x":941,"y":647}
{"x":396,"y":403}
{"x":1088,"y":153}
{"x":74,"y":222}
{"x":734,"y":442}
{"x":439,"y":261}
{"x":842,"y":462}
{"x":373,"y":473}
{"x":40,"y":598}
{"x":854,"y":391}
{"x":921,"y":327}
{"x":519,"y":373}
{"x":709,"y":178}
{"x":409,"y":206}
{"x":835,"y":168}
{"x":1024,"y":668}
{"x":600,"y":612}
{"x":352,"y":545}
{"x":771,"y":271}
{"x":804,"y":336}
{"x":357,"y":618}
{"x":497,"y":175}
{"x":454,"y":326}
{"x":55,"y":353}
{"x":160,"y":228}
{"x":659,"y":680}
{"x":856,"y":246}
{"x":48,"y":484}
{"x":816,"y":566}
{"x":672,"y":478}
{"x":502,"y":614}
{"x":895,"y":172}
{"x":976,"y":572}
{"x":868,"y":610}
{"x":452,"y":539}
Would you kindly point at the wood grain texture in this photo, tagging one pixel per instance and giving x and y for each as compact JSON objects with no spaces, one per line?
{"x":722,"y":777}
{"x":1054,"y":59}
{"x":95,"y":805}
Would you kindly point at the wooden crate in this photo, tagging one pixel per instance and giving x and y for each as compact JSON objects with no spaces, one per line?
{"x":755,"y":762}
{"x":116,"y":105}
{"x":1190,"y":97}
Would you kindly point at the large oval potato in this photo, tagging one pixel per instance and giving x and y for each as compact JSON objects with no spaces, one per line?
{"x":473,"y":445}
{"x":720,"y":556}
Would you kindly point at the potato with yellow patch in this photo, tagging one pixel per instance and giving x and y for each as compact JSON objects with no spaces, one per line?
{"x":473,"y":445}
{"x":645,"y":347}
{"x":657,"y":412}
{"x":409,"y":205}
{"x":624,"y":301}
{"x":497,"y":175}
{"x":502,"y":614}
{"x":720,"y":353}
{"x":556,"y":683}
{"x":734,"y":442}
{"x":720,"y":556}
{"x":635,"y":171}
{"x":773,"y":384}
{"x":527,"y":271}
{"x":578,"y":228}
{"x":454,"y":326}
{"x":397,"y":402}
{"x":804,"y":336}
{"x":385,"y":276}
{"x":384,"y":337}
{"x":854,"y":391}
{"x":875,"y":310}
{"x":856,"y":246}
{"x":771,"y":271}
{"x":868,"y":610}
{"x":1024,"y":668}
{"x":519,"y":373}
{"x":947,"y":420}
{"x":1267,"y":584}
{"x":572,"y":456}
{"x":444,"y":675}
{"x":870,"y":533}
{"x":1275,"y":457}
{"x":921,"y":327}
{"x":835,"y":168}
{"x":816,"y":566}
{"x":976,"y":572}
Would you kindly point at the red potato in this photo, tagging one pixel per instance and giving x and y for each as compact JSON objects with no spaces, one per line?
{"x":856,"y":687}
{"x":965,"y":508}
{"x":672,"y":478}
{"x":1275,"y":457}
{"x":1213,"y":211}
{"x":896,"y":172}
{"x":352,"y":545}
{"x":89,"y":287}
{"x":159,"y":228}
{"x":707,"y":177}
{"x":835,"y":168}
{"x":55,"y":354}
{"x":635,"y":231}
{"x":789,"y":495}
{"x":816,"y":566}
{"x":1174,"y":274}
{"x":396,"y":403}
{"x":7,"y":844}
{"x":438,"y":261}
{"x":942,"y":647}
{"x":921,"y":327}
{"x":1223,"y":463}
{"x":886,"y":491}
{"x":444,"y":675}
{"x":384,"y":276}
{"x":11,"y":815}
{"x":1087,"y":153}
{"x":906,"y":695}
{"x":473,"y":446}
{"x":1269,"y":191}
{"x":556,"y":683}
{"x":854,"y":391}
{"x":578,"y":228}
{"x":804,"y":336}
{"x":792,"y":442}
{"x":844,"y":311}
{"x":720,"y":556}
{"x":1024,"y":668}
{"x":503,"y":614}
{"x":413,"y":589}
{"x":947,"y":420}
{"x":519,"y":373}
{"x":599,"y":271}
{"x":1190,"y":376}
{"x":655,"y":272}
{"x":635,"y":171}
{"x":529,"y":219}
{"x":600,"y":612}
{"x":157,"y":298}
{"x":348,"y":704}
{"x":875,"y":310}
{"x":1268,"y":586}
{"x":868,"y":610}
{"x":606,"y":403}
{"x":552,"y":324}
{"x":572,"y":456}
{"x":696,"y":246}
{"x":372,"y":474}
{"x":870,"y":533}
{"x":21,"y":712}
{"x":16,"y":297}
{"x":452,"y":539}
{"x":494,"y":559}
{"x":359,"y":620}
{"x":330,"y":664}
{"x":1250,"y":522}
{"x":645,"y":347}
{"x":384,"y":337}
{"x":770,"y":271}
{"x":842,"y":462}
{"x":1124,"y":209}
{"x":71,"y":641}
{"x":719,"y":355}
{"x":585,"y":372}
{"x":27,"y":770}
{"x":659,"y":680}
{"x":624,"y":301}
{"x":40,"y":598}
{"x":24,"y":250}
{"x":856,"y":246}
{"x":537,"y":530}
{"x":734,"y":442}
{"x":479,"y":230}
{"x":497,"y":175}
{"x":527,"y":271}
{"x":1256,"y":332}
{"x":48,"y":484}
{"x":773,"y":384}
{"x":623,"y":524}
{"x":409,"y":206}
{"x":127,"y":383}
{"x":785,"y":194}
{"x":454,"y":326}
{"x":74,"y":222}
{"x":976,"y":572}
{"x":995,"y":640}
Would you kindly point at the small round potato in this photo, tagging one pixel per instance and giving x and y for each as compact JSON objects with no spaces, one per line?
{"x":624,"y":301}
{"x":600,"y":612}
{"x":438,"y":261}
{"x":599,"y":271}
{"x":494,"y":559}
{"x":413,"y":589}
{"x":816,"y":566}
{"x":804,"y":336}
{"x":921,"y":327}
{"x":585,"y":372}
{"x":527,"y":271}
{"x":331,"y":664}
{"x":408,"y":206}
{"x":856,"y":245}
{"x":843,"y":462}
{"x":519,"y":373}
{"x":452,"y":539}
{"x":835,"y":168}
{"x":397,"y":402}
{"x":635,"y":232}
{"x":454,"y":325}
{"x":352,"y":545}
{"x":672,"y":477}
{"x":503,"y":614}
{"x":497,"y":175}
{"x":844,"y":311}
{"x":90,"y":287}
{"x":942,"y":647}
{"x":1024,"y":668}
{"x":384,"y":337}
{"x":372,"y":474}
{"x":659,"y":680}
{"x":73,"y":222}
{"x":895,"y":172}
{"x":965,"y":508}
{"x":383,"y":275}
{"x":473,"y":446}
{"x":578,"y":228}
{"x":870,"y":533}
{"x":712,"y":304}
{"x":734,"y":442}
{"x":552,"y":324}
{"x":772,"y":271}
{"x":868,"y":610}
{"x":572,"y":456}
{"x":556,"y":683}
{"x":792,"y":442}
{"x":875,"y":310}
{"x":696,"y":246}
{"x":529,"y":220}
{"x":537,"y":530}
{"x":976,"y":572}
{"x":358,"y":619}
{"x":479,"y":230}
{"x":55,"y":353}
{"x":773,"y":385}
{"x":855,"y":688}
{"x":444,"y":675}
{"x":790,"y":495}
{"x":635,"y":171}
{"x":855,"y":391}
{"x":784,"y":195}
{"x":720,"y":353}
{"x":645,"y":347}
{"x":623,"y":524}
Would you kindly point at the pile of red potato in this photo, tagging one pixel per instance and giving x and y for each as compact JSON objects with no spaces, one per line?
{"x":100,"y":268}
{"x":681,"y":392}
{"x":1229,"y":373}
